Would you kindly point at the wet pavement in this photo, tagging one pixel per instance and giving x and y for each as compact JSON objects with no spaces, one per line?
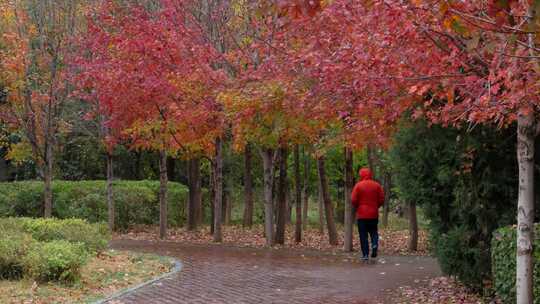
{"x":222,"y":275}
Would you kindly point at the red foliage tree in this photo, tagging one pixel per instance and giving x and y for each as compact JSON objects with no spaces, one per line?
{"x":456,"y":62}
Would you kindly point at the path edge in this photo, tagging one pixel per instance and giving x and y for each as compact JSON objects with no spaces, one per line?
{"x":178,"y":266}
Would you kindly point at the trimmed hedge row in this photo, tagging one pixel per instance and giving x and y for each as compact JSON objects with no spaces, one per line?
{"x":503,"y":254}
{"x":48,"y":249}
{"x":136,"y":202}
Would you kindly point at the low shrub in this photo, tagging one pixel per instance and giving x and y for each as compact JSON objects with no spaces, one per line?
{"x":503,"y":249}
{"x":458,"y":252}
{"x":95,"y":237}
{"x":57,"y":260}
{"x":13,"y":248}
{"x":136,"y":202}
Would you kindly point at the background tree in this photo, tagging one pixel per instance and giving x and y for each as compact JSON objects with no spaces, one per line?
{"x":38,"y":38}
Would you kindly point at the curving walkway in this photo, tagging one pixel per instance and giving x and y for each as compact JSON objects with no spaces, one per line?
{"x":220,"y":274}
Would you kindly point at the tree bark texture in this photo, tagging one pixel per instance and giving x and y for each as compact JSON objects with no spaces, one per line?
{"x":163,"y":181}
{"x":305,"y":193}
{"x":329,"y":209}
{"x":110,"y":199}
{"x":298,"y":200}
{"x":525,"y":213}
{"x":387,"y":184}
{"x":268,"y":164}
{"x":195,"y":194}
{"x":321,"y":204}
{"x":218,"y":237}
{"x":48,"y":177}
{"x":349,"y":219}
{"x":282,"y":197}
{"x":248,"y":189}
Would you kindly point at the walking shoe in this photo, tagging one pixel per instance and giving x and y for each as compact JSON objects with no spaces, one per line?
{"x":374,"y":253}
{"x":364,"y":258}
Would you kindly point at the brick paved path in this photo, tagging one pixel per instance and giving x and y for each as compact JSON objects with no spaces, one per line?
{"x":223,"y":275}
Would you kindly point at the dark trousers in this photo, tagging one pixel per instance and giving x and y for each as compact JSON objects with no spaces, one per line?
{"x":370,"y":227}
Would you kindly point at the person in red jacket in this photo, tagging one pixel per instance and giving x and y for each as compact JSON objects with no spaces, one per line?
{"x":367,"y":197}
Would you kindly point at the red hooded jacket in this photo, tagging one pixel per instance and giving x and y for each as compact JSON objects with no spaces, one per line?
{"x":367,"y":196}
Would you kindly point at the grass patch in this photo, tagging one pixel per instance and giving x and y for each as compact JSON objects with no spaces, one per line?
{"x":102,"y":276}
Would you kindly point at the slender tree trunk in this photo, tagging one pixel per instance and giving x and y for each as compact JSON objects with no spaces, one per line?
{"x":163,"y":180}
{"x":194,"y":203}
{"x":212,"y":196}
{"x":387,"y":194}
{"x":248,"y":189}
{"x":228,"y":202}
{"x":298,"y":188}
{"x":190,"y":217}
{"x":268,"y":164}
{"x":218,"y":237}
{"x":282,"y":197}
{"x":372,"y":163}
{"x":321,"y":206}
{"x":413,"y":227}
{"x":288,"y":203}
{"x":525,"y":228}
{"x":48,"y":176}
{"x":329,"y":209}
{"x":110,"y":200}
{"x":305,"y":193}
{"x":199,"y":209}
{"x":348,"y":244}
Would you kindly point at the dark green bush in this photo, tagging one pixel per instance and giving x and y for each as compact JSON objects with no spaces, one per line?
{"x":95,"y":237}
{"x":136,"y":201}
{"x":14,"y":246}
{"x":55,"y":261}
{"x":503,"y":254}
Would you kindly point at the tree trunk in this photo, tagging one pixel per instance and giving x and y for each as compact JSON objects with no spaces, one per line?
{"x":282,"y":197}
{"x":195,"y":194}
{"x":413,"y":227}
{"x":372,"y":163}
{"x":268,"y":164}
{"x":248,"y":189}
{"x":348,"y":220}
{"x":288,"y":203}
{"x":329,"y":209}
{"x":525,"y":215}
{"x":387,"y":194}
{"x":48,"y":176}
{"x":321,"y":205}
{"x":163,"y":180}
{"x":298,"y":188}
{"x":228,"y":202}
{"x":199,"y":208}
{"x":218,"y":237}
{"x":212,"y":196}
{"x":110,"y":200}
{"x":305,"y":192}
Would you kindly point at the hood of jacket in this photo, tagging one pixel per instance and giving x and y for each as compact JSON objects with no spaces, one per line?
{"x":365,"y":174}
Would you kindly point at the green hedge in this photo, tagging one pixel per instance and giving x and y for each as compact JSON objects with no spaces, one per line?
{"x":136,"y":201}
{"x":14,"y":246}
{"x":48,"y":249}
{"x":503,"y":251}
{"x":95,"y":237}
{"x":57,"y":260}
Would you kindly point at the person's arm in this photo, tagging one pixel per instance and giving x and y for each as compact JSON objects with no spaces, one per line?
{"x":355,"y":199}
